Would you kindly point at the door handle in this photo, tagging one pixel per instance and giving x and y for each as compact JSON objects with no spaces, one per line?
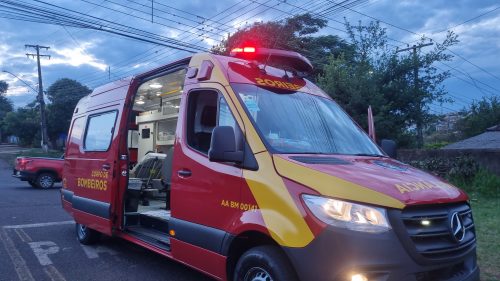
{"x":106,"y":167}
{"x":184,"y":173}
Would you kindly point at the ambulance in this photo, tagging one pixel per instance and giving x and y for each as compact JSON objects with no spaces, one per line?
{"x":241,"y":168}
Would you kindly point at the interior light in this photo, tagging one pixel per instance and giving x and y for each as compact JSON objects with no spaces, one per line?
{"x":425,"y":222}
{"x":155,"y":86}
{"x":139,"y":102}
{"x":358,"y":277}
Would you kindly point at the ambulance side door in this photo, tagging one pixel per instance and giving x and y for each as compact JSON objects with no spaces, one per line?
{"x":95,"y":169}
{"x":206,"y":196}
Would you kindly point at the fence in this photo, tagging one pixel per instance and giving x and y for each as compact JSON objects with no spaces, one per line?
{"x":488,"y":159}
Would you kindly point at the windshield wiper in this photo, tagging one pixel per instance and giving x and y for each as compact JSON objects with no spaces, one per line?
{"x":370,"y":154}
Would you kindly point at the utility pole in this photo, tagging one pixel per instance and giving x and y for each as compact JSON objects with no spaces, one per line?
{"x":43,"y":119}
{"x":419,"y":120}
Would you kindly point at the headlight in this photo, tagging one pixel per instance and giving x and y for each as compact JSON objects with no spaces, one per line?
{"x":348,"y":215}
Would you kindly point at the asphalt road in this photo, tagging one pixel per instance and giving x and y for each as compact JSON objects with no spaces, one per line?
{"x":38,"y":242}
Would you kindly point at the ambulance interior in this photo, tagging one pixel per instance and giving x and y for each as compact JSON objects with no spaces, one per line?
{"x":151,"y":138}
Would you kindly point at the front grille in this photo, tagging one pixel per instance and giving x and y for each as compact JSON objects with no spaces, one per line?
{"x":435,"y":240}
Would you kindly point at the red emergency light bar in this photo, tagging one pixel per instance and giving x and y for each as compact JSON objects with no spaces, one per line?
{"x":243,"y":50}
{"x":274,"y":57}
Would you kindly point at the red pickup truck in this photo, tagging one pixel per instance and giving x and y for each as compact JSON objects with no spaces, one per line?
{"x":39,"y":172}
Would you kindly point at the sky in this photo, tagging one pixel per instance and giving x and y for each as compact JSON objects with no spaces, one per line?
{"x":94,"y":57}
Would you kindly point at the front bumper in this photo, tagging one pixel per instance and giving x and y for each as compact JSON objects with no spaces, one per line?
{"x":336,"y":254}
{"x":23,"y":175}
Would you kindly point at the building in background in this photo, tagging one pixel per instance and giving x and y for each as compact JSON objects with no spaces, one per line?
{"x":490,"y":139}
{"x":447,"y":122}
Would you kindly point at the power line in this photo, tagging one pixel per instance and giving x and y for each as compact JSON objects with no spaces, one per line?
{"x":237,"y":16}
{"x":412,"y":32}
{"x":39,"y":14}
{"x":187,"y":36}
{"x":469,"y":20}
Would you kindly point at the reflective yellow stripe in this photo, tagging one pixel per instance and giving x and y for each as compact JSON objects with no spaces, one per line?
{"x":279,"y":211}
{"x":332,"y":186}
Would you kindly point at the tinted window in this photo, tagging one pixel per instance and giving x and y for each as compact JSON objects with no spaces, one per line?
{"x":100,"y":131}
{"x":145,"y":133}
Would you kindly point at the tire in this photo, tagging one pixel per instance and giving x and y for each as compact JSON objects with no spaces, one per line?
{"x":85,"y":235}
{"x":32,"y":183}
{"x":264,"y":263}
{"x":45,"y":181}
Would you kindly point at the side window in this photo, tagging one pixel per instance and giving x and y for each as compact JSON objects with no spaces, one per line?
{"x":206,"y":109}
{"x":201,"y":119}
{"x":76,"y":133}
{"x":226,"y":118}
{"x":99,"y":131}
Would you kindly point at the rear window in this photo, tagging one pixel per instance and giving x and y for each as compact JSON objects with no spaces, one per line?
{"x":100,"y":131}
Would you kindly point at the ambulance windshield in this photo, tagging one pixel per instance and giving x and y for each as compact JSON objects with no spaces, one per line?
{"x":296,"y":122}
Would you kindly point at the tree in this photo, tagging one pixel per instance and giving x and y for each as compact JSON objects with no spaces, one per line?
{"x":24,"y":123}
{"x":374,"y":74}
{"x":5,"y":106}
{"x":480,"y":116}
{"x":293,"y":34}
{"x":63,"y":96}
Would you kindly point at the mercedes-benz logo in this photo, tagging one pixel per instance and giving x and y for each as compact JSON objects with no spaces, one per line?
{"x":457,"y":227}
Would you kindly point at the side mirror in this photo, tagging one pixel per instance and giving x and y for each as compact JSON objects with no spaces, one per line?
{"x":389,"y":147}
{"x":223,"y":146}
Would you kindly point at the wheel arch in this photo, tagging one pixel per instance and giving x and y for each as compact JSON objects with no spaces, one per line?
{"x":243,"y":242}
{"x":49,"y":171}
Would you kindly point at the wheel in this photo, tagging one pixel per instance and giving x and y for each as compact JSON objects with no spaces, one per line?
{"x":32,"y":183}
{"x":45,"y":180}
{"x":264,"y":263}
{"x":86,"y":235}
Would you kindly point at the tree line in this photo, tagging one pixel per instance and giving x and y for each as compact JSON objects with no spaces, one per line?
{"x":359,"y":71}
{"x":24,"y":122}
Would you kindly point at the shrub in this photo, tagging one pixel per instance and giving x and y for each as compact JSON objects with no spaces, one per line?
{"x":463,"y":172}
{"x":463,"y":167}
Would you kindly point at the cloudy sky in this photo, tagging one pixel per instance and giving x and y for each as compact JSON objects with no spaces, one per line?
{"x":94,"y":57}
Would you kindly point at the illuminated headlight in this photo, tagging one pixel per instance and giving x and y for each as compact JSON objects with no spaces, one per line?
{"x":348,"y":215}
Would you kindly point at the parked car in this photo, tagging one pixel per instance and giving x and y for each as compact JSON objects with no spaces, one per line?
{"x":40,"y":172}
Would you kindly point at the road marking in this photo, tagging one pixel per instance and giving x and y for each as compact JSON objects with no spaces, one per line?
{"x":43,"y":249}
{"x":44,"y":224}
{"x":93,"y":252}
{"x":22,"y":235}
{"x":53,"y":273}
{"x":20,"y":266}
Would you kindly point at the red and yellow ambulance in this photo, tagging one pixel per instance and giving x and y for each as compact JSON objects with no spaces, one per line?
{"x":243,"y":169}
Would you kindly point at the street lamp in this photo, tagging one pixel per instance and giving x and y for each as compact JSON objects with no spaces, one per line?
{"x":43,"y":119}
